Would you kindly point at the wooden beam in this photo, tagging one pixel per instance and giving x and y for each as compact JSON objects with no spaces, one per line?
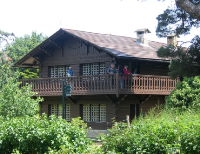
{"x":55,"y":44}
{"x":110,"y":99}
{"x":146,"y":98}
{"x":121,"y":98}
{"x":72,"y":100}
{"x":46,"y":52}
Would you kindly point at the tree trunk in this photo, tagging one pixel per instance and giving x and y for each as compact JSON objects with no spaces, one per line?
{"x":189,"y":7}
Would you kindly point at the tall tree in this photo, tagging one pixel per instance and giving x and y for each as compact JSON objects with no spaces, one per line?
{"x":5,"y":39}
{"x":20,"y":47}
{"x":180,"y":20}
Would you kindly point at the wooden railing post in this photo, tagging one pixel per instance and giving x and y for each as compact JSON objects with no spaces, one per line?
{"x":117,"y":83}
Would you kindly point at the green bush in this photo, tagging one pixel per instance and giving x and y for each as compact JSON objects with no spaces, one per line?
{"x":41,"y":135}
{"x":163,"y":132}
{"x":186,"y":95}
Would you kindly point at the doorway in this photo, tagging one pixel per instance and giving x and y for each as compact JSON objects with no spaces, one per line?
{"x":134,"y":111}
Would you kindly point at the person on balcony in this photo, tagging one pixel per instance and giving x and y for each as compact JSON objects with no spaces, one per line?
{"x":126,"y":72}
{"x":70,"y":72}
{"x":121,"y":73}
{"x":135,"y":71}
{"x":111,"y":69}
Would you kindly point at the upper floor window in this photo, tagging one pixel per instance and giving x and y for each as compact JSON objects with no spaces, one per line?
{"x":58,"y":71}
{"x":57,"y":110}
{"x":93,"y":68}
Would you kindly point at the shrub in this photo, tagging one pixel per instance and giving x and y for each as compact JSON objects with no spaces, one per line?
{"x":168,"y":132}
{"x":41,"y":135}
{"x":186,"y":95}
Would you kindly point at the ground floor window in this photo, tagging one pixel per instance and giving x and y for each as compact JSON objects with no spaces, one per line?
{"x":93,"y":69}
{"x":93,"y":112}
{"x":57,"y":110}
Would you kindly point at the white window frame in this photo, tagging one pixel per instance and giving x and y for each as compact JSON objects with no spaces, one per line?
{"x":93,"y":69}
{"x":59,"y":71}
{"x":57,"y":109}
{"x":94,"y":112}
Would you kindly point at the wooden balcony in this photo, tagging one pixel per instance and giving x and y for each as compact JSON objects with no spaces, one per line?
{"x":104,"y":84}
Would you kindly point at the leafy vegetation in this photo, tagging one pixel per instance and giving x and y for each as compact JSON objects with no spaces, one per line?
{"x":20,"y":47}
{"x":159,"y":132}
{"x":180,"y":19}
{"x":15,"y":101}
{"x":186,"y":95}
{"x":42,"y":135}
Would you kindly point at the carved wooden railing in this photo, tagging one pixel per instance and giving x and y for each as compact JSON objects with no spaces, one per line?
{"x":147,"y":84}
{"x":104,"y":84}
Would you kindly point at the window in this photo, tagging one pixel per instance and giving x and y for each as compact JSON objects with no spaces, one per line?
{"x":57,"y":110}
{"x":93,"y":68}
{"x":93,"y":112}
{"x":58,"y":71}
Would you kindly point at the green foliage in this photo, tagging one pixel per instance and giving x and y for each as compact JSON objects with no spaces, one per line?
{"x":5,"y":37}
{"x":183,"y":62}
{"x":20,"y":47}
{"x":186,"y":95}
{"x":175,"y":20}
{"x":41,"y":135}
{"x":162,"y":132}
{"x":15,"y":101}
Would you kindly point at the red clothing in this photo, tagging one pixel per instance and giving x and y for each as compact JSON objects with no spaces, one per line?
{"x":126,"y":71}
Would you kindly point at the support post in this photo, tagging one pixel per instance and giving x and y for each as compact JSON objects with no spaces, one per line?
{"x":117,"y":83}
{"x":128,"y":122}
{"x":63,"y":100}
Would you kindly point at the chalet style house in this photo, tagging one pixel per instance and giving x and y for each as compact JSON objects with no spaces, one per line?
{"x":98,"y":96}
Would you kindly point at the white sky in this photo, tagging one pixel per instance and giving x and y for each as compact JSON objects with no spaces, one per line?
{"x":117,"y":17}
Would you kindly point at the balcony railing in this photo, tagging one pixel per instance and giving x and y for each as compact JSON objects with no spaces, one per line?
{"x":104,"y":84}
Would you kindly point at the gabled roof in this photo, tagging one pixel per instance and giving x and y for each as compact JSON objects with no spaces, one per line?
{"x":119,"y":46}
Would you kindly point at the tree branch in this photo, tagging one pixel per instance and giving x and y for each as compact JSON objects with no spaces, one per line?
{"x":189,"y":7}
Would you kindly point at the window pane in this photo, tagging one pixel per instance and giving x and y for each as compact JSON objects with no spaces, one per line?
{"x":102,"y":68}
{"x":54,"y":109}
{"x":86,"y":112}
{"x":86,"y":69}
{"x":94,"y":69}
{"x":102,"y":113}
{"x":57,"y":110}
{"x":59,"y":71}
{"x":95,"y":112}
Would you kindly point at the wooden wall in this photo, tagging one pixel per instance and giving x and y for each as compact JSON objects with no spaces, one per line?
{"x":146,"y":102}
{"x":118,"y":110}
{"x":75,"y":108}
{"x":145,"y":67}
{"x":73,"y":52}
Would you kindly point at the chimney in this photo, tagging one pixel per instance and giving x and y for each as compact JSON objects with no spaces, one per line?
{"x":142,"y":36}
{"x":172,"y":40}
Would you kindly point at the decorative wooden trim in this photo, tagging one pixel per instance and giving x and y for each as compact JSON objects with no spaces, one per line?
{"x":104,"y":84}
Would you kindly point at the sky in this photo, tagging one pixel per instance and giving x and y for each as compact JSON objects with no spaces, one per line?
{"x":116,"y":17}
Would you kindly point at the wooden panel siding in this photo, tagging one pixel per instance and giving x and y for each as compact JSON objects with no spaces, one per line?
{"x":75,"y":108}
{"x":104,"y":84}
{"x":74,"y":53}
